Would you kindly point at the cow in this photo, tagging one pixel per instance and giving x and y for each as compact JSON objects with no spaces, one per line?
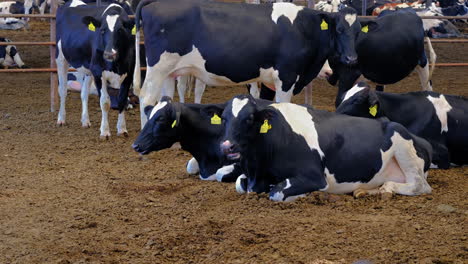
{"x":96,"y":41}
{"x":402,"y":53}
{"x":9,"y":56}
{"x":17,"y":7}
{"x":281,"y":45}
{"x":440,"y":119}
{"x":288,"y":150}
{"x":198,"y":129}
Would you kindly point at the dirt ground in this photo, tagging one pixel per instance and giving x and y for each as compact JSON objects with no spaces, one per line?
{"x":68,"y":197}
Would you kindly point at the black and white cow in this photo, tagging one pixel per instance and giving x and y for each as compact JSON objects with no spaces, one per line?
{"x":289,"y":150}
{"x":440,"y":119}
{"x":96,"y":41}
{"x":9,"y":56}
{"x":17,"y":7}
{"x":198,"y":129}
{"x":281,"y":45}
{"x":403,"y":52}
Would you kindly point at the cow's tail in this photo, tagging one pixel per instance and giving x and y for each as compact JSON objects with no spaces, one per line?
{"x":432,"y":57}
{"x":137,"y":71}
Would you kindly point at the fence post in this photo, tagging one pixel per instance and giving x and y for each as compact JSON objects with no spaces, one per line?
{"x":53,"y":65}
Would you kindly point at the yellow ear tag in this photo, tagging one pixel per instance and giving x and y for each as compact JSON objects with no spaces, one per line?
{"x":134,"y":30}
{"x":324,"y":25}
{"x":91,"y":26}
{"x":216,"y":120}
{"x":365,"y":29}
{"x":174,"y":123}
{"x":373,"y":110}
{"x":265,"y":127}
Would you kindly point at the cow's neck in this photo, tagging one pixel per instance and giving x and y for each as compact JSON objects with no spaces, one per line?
{"x":391,"y":105}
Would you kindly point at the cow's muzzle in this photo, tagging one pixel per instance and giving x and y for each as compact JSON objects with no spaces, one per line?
{"x":110,"y":55}
{"x":139,"y":149}
{"x":350,"y":60}
{"x":229,"y":150}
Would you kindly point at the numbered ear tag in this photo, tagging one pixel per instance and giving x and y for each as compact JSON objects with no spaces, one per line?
{"x":91,"y":26}
{"x":324,"y":25}
{"x":265,"y":127}
{"x":373,"y":110}
{"x":216,"y":120}
{"x":134,"y":30}
{"x":365,"y":29}
{"x":174,"y":123}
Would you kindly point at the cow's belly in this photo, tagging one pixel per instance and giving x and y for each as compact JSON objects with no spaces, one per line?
{"x":193,"y":63}
{"x":391,"y":172}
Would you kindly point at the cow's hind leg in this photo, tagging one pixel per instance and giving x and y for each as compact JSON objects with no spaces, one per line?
{"x":122,"y":125}
{"x":62,"y":70}
{"x":423,"y":73}
{"x":182,"y":84}
{"x":200,"y":87}
{"x":84,"y":101}
{"x":151,"y":91}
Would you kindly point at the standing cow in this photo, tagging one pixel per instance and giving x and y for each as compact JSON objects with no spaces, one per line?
{"x":389,"y":48}
{"x":281,"y":45}
{"x":96,"y":41}
{"x":440,"y":119}
{"x":288,"y":150}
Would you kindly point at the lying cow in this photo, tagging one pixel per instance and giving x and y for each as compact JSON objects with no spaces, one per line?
{"x":281,"y":45}
{"x":96,"y":41}
{"x":198,"y":129}
{"x":402,"y":53}
{"x":289,"y":150}
{"x":440,"y":119}
{"x":15,"y":7}
{"x":9,"y":56}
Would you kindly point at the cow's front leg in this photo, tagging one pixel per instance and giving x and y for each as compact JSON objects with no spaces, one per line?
{"x":228,"y":173}
{"x":84,"y":102}
{"x":62,"y":69}
{"x":122,"y":125}
{"x":105,"y":107}
{"x":294,"y":187}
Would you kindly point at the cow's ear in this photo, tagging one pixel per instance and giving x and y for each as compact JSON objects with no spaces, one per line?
{"x":265,"y":114}
{"x":91,"y":22}
{"x":166,"y":99}
{"x":214,"y":112}
{"x":148,"y":110}
{"x":368,"y":25}
{"x":374,"y":103}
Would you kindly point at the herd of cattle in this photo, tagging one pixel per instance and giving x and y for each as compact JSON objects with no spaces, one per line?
{"x":376,"y":142}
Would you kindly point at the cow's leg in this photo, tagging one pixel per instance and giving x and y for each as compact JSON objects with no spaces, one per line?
{"x":241,"y":184}
{"x":380,"y":87}
{"x":281,"y":95}
{"x":423,"y":73}
{"x":228,"y":173}
{"x":84,"y":101}
{"x":169,"y":87}
{"x":182,"y":84}
{"x":105,"y":107}
{"x":298,"y":186}
{"x":62,"y":70}
{"x":122,"y":125}
{"x":200,"y":87}
{"x":254,"y":91}
{"x":151,"y":91}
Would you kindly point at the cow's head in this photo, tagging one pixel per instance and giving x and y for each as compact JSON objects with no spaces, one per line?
{"x":114,"y":30}
{"x":162,"y":129}
{"x":360,"y":101}
{"x":345,"y":29}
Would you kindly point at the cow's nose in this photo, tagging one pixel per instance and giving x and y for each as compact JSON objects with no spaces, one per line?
{"x":351,"y":59}
{"x":136,"y":147}
{"x":110,"y":55}
{"x":227,"y":147}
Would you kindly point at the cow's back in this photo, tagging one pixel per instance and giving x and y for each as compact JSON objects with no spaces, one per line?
{"x":457,"y":134}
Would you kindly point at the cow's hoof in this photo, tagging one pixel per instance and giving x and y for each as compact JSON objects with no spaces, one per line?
{"x":386,"y":196}
{"x":86,"y":124}
{"x":60,"y":123}
{"x":359,"y":193}
{"x":104,"y":137}
{"x":123,"y":134}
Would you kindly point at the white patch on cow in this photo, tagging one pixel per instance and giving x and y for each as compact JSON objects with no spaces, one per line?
{"x":83,"y":70}
{"x":356,"y":88}
{"x":192,"y":166}
{"x":288,"y":184}
{"x":237,"y":105}
{"x":209,"y":178}
{"x":239,"y":187}
{"x":109,"y":6}
{"x":285,"y":9}
{"x":111,"y":20}
{"x":301,"y":123}
{"x":158,"y":107}
{"x":114,"y":79}
{"x":277,"y":197}
{"x":442,"y":107}
{"x":221,"y":172}
{"x":76,"y":3}
{"x":325,"y":71}
{"x":402,"y":172}
{"x":350,"y":18}
{"x":429,"y":23}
